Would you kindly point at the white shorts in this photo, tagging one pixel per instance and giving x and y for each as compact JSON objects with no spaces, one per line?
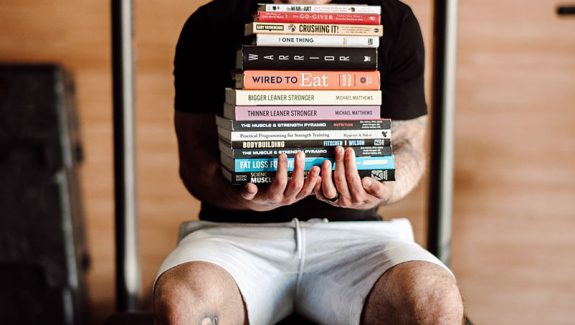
{"x":321,"y":270}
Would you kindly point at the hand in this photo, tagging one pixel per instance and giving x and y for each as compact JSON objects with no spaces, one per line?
{"x":350,"y":191}
{"x":281,"y":191}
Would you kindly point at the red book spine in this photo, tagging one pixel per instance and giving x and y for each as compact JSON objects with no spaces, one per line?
{"x":318,"y":18}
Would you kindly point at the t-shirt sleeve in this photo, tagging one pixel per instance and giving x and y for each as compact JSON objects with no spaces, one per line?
{"x":198,"y":78}
{"x":403,"y":91}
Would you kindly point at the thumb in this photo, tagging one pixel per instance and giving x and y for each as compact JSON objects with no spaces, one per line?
{"x":373,"y":187}
{"x":249,"y":191}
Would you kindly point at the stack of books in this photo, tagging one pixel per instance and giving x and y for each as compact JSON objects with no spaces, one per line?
{"x":307,"y":81}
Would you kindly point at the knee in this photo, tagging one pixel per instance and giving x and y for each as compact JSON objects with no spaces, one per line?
{"x":189,"y":294}
{"x":173,"y":298}
{"x":430,"y":294}
{"x":417,"y":292}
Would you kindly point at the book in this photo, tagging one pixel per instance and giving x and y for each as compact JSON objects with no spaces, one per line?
{"x":231,"y":136}
{"x":225,"y":149}
{"x":329,"y":125}
{"x":251,"y":57}
{"x":314,"y":40}
{"x":271,"y":164}
{"x":278,"y":144}
{"x":241,"y":178}
{"x":330,"y":8}
{"x":312,"y":29}
{"x":300,"y":113}
{"x":301,"y":97}
{"x":313,"y":80}
{"x":320,"y":18}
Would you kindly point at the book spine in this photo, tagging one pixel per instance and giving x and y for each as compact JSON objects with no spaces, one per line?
{"x":313,"y":80}
{"x":232,"y":136}
{"x":238,"y":178}
{"x":313,"y":29}
{"x":264,"y":125}
{"x":309,"y":152}
{"x":301,"y":113}
{"x":358,"y":9}
{"x":299,"y":97}
{"x":251,"y":57}
{"x":270,"y":164}
{"x":280,"y":144}
{"x":319,"y":18}
{"x":316,"y":40}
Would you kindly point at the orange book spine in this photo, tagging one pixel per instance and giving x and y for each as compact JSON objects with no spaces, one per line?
{"x":308,"y":80}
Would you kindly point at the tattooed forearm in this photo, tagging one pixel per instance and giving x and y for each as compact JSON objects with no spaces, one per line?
{"x":407,"y":138}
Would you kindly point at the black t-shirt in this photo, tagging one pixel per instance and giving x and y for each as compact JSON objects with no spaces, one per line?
{"x":205,"y":57}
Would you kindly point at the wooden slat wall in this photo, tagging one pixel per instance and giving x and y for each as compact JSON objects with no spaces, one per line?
{"x":513,"y":248}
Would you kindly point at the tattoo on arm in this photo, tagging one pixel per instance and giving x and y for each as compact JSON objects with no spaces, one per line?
{"x":407,"y":138}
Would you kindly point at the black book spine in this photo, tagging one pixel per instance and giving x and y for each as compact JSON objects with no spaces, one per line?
{"x":309,"y":152}
{"x":278,"y":144}
{"x":382,"y":124}
{"x":251,"y":57}
{"x":267,"y":177}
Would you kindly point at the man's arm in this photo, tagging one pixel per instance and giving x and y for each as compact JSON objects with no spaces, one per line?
{"x":408,"y":149}
{"x":201,"y":174}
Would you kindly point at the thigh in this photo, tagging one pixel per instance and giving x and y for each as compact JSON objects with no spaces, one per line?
{"x":346,"y":262}
{"x":260,"y":260}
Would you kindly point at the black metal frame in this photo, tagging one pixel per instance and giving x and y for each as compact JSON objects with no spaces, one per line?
{"x":126,"y":232}
{"x":441,"y":169}
{"x":440,"y":191}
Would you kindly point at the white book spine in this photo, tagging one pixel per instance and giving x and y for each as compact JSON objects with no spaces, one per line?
{"x":312,"y":29}
{"x":316,"y":40}
{"x":302,"y":97}
{"x":356,"y":9}
{"x":306,"y":135}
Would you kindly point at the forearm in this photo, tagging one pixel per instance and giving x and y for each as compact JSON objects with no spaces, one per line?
{"x":200,"y":164}
{"x":206,"y":183}
{"x":410,"y":162}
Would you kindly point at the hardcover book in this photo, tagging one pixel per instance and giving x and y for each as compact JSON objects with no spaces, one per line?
{"x":241,"y":178}
{"x":280,"y":144}
{"x":314,"y":80}
{"x":314,"y":40}
{"x":232,"y":136}
{"x":271,"y":164}
{"x":330,"y":8}
{"x":251,"y":57}
{"x":312,"y":29}
{"x":360,"y":151}
{"x":319,"y":18}
{"x":329,"y":125}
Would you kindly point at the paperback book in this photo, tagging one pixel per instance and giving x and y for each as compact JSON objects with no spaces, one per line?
{"x":301,"y":113}
{"x":304,"y":80}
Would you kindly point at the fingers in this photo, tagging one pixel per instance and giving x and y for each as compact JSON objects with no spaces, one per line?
{"x":328,"y":189}
{"x":311,"y":182}
{"x":354,"y":184}
{"x":276,"y":190}
{"x":375,"y":188}
{"x":297,"y":180}
{"x":339,"y":177}
{"x":249,"y":191}
{"x":283,"y":191}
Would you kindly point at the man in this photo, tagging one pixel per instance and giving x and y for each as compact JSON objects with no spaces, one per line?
{"x":314,"y":246}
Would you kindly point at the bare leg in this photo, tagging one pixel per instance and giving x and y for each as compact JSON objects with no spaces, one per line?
{"x":198,"y":293}
{"x":414,"y":293}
